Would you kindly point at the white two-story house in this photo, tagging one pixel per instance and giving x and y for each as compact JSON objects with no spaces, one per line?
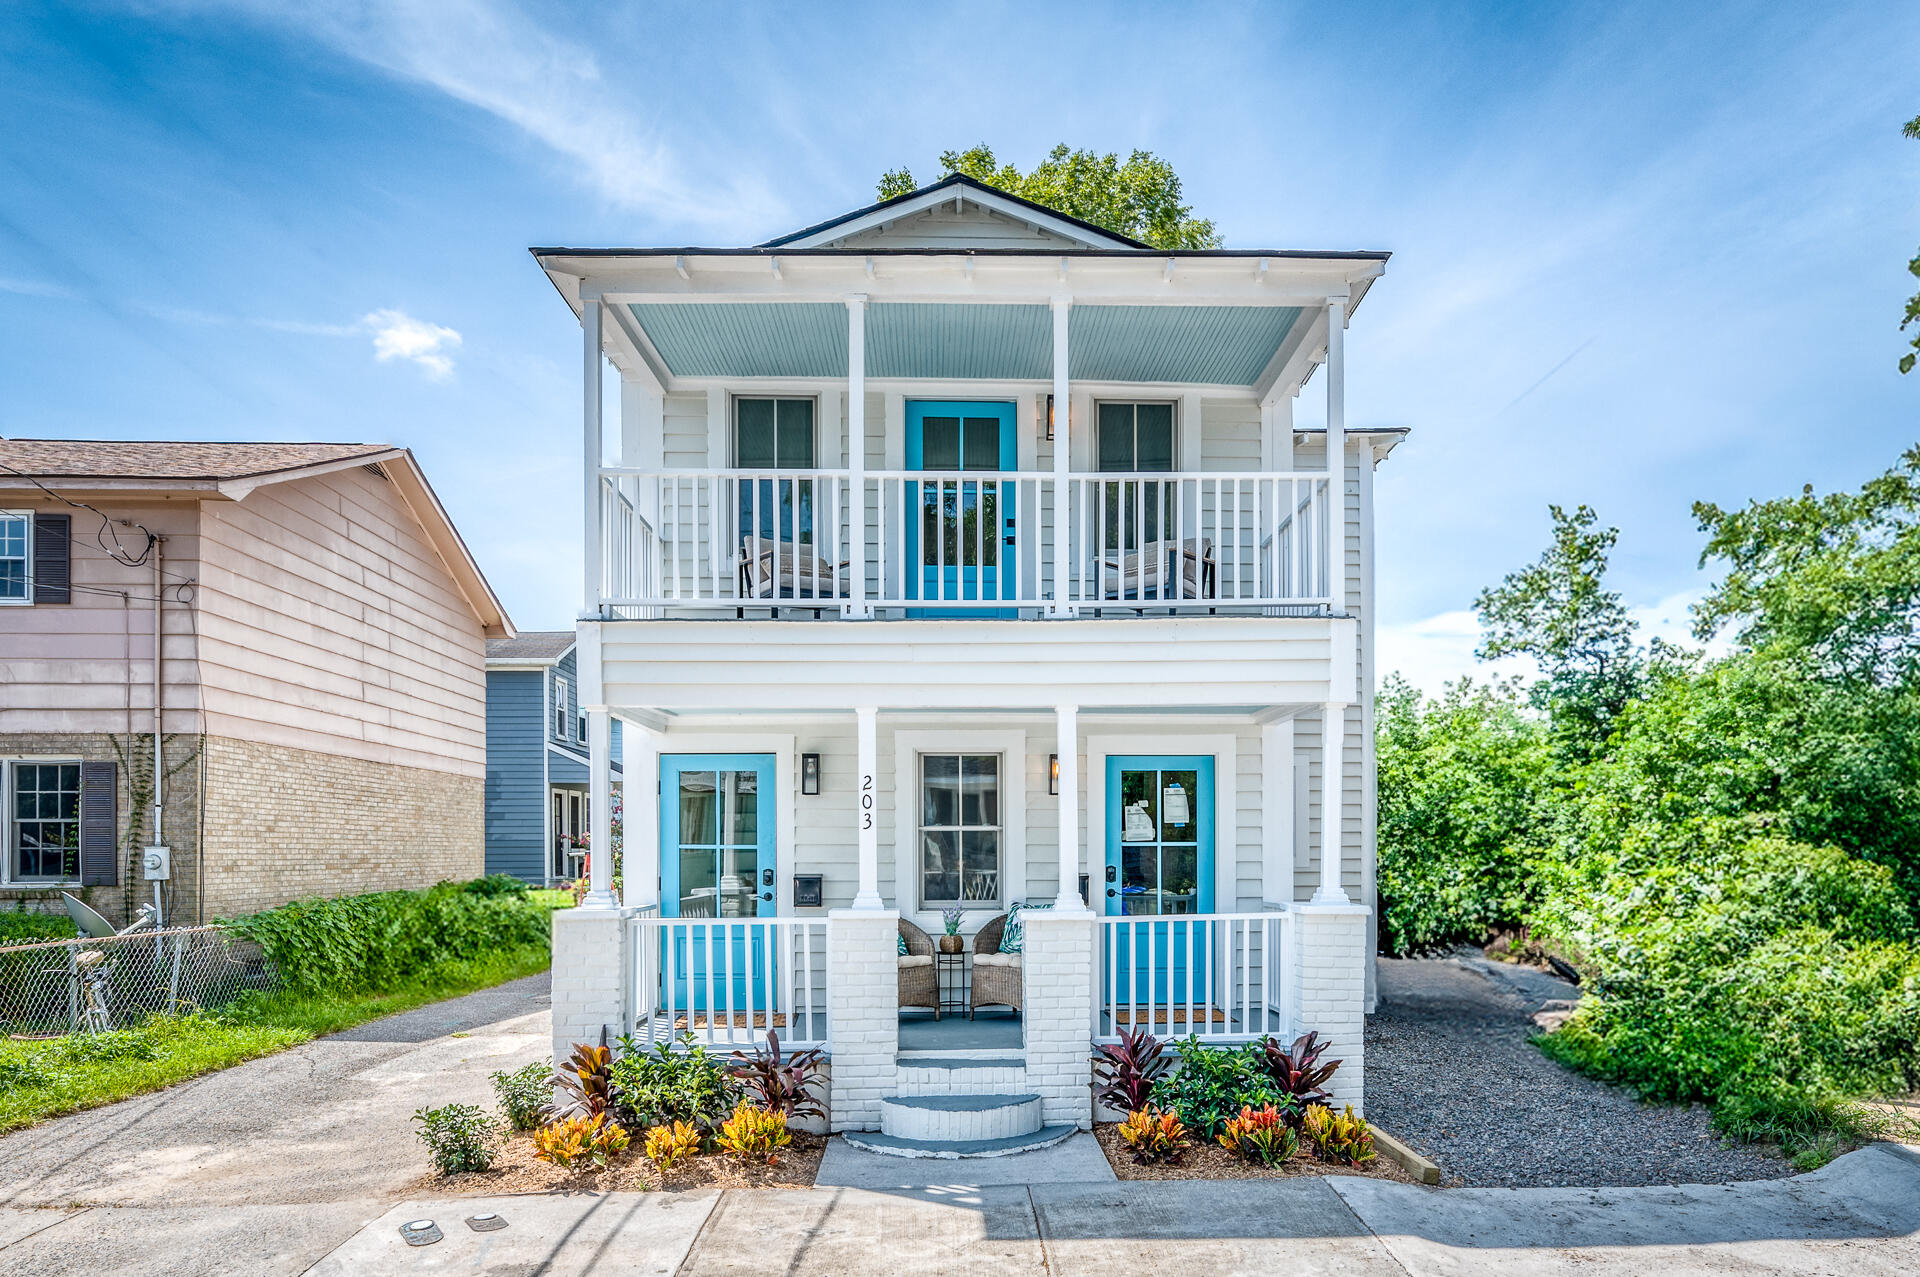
{"x":957,"y":555}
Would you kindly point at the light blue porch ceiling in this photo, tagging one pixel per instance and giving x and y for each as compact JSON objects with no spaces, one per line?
{"x":1203,"y":345}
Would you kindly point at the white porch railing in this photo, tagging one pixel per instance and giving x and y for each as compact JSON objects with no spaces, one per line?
{"x":691,"y":540}
{"x":1216,"y":976}
{"x":728,"y":980}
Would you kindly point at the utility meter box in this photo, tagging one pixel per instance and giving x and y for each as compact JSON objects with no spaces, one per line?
{"x":157,"y":863}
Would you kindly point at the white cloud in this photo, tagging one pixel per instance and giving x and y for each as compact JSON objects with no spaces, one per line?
{"x":34,"y":288}
{"x":398,"y":335}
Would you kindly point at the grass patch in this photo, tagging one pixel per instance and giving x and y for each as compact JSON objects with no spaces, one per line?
{"x":44,"y":1079}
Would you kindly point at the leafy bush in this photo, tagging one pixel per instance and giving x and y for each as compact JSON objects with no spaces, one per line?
{"x":1213,"y":1084}
{"x":1125,"y":1072}
{"x":572,"y":1142}
{"x":663,"y":1086}
{"x":782,"y":1083}
{"x":668,"y":1145}
{"x":496,"y":885}
{"x":1261,"y":1135}
{"x":754,"y":1134}
{"x":1296,"y":1070}
{"x":459,"y":1137}
{"x":387,"y":938}
{"x":18,"y":926}
{"x":1154,"y":1134}
{"x":524,"y":1094}
{"x":584,"y":1083}
{"x":1338,"y":1137}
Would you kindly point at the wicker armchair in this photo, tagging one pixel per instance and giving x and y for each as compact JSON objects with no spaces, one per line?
{"x":996,"y":975}
{"x":919,"y":982}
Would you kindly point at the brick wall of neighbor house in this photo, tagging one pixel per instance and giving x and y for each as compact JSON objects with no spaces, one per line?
{"x":180,"y":819}
{"x":283,"y":823}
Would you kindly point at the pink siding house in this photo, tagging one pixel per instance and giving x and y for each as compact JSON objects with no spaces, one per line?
{"x":320,"y":675}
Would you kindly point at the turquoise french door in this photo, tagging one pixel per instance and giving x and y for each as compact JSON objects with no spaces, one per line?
{"x":1160,"y":867}
{"x":960,"y":536}
{"x":717,"y":860}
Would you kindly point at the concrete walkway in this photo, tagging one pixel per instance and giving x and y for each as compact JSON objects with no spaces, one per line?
{"x":306,"y":1162}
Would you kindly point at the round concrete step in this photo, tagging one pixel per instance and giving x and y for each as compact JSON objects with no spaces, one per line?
{"x":959,"y":1117}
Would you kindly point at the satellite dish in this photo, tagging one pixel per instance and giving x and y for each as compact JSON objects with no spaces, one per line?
{"x":87,"y":919}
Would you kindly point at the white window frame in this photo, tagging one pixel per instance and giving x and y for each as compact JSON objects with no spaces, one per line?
{"x":7,"y":848}
{"x":1020,"y":767}
{"x":1093,"y":434}
{"x":733,"y":426}
{"x":26,"y":562}
{"x":997,"y":901}
{"x":562,"y":713}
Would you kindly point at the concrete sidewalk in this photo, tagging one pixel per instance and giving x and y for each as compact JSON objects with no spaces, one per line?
{"x":1858,"y":1216}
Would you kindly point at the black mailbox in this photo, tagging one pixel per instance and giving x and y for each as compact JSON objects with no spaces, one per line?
{"x":807,"y":892}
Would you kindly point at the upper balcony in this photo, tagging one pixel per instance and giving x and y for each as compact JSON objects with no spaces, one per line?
{"x":937,"y":543}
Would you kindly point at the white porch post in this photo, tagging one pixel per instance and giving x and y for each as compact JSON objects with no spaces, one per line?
{"x":866,"y":808}
{"x":1067,"y":745}
{"x":599,"y":811}
{"x":591,"y":447}
{"x":1062,"y":499}
{"x":640,"y":832}
{"x":857,"y":457}
{"x":1337,"y":451}
{"x":1276,"y":834}
{"x":1333,"y":792}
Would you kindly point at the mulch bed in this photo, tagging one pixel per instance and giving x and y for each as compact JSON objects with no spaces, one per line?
{"x":1206,"y":1160}
{"x":516,"y":1170}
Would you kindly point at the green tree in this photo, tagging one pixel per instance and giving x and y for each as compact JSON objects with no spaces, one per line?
{"x":1912,"y":130}
{"x":1138,"y":197}
{"x":1559,"y":612}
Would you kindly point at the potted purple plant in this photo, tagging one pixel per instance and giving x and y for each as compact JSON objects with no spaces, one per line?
{"x":952,"y":941}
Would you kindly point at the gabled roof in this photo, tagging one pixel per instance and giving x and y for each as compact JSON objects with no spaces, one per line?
{"x":232,"y":471}
{"x":975,"y":192}
{"x":530,"y":647}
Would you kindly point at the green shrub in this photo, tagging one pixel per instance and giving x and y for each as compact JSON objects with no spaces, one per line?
{"x":459,"y":1137}
{"x":524,"y":1094}
{"x":663,"y":1086}
{"x":17,"y":926}
{"x":381,"y":940}
{"x":1211,"y":1085}
{"x":104,"y":1048}
{"x":496,"y":885}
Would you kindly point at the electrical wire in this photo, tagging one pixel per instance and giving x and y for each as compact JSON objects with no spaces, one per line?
{"x":117,"y":552}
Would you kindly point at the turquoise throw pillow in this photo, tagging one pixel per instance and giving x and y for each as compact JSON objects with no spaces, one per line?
{"x":1014,"y":935}
{"x":901,"y":936}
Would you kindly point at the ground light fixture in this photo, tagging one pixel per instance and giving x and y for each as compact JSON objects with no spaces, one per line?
{"x":1053,"y":773}
{"x":809,"y":773}
{"x":420,"y":1232}
{"x":486,"y":1222}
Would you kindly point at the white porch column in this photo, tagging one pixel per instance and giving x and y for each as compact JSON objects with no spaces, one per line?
{"x":640,"y":831}
{"x":1337,"y":450}
{"x":599,"y":811}
{"x":867,"y":719}
{"x":1333,"y":790}
{"x":856,"y":605}
{"x":1062,"y":501}
{"x":591,"y":446}
{"x":1276,"y":832}
{"x":1067,"y":745}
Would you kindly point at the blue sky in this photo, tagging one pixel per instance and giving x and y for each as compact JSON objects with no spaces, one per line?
{"x":1644,"y":254}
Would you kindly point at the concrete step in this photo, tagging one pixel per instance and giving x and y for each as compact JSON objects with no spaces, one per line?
{"x":966,"y":1118}
{"x":894,"y":1146}
{"x":960,"y":1075}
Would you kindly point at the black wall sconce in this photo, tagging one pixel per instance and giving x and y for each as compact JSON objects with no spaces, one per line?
{"x":1053,"y":773}
{"x":809,"y":773}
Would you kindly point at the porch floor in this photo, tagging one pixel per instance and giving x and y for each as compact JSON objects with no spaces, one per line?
{"x":991,"y":1029}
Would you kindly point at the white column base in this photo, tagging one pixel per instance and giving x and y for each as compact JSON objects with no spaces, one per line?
{"x":1057,"y":978}
{"x":591,"y":973}
{"x":1327,"y":990}
{"x":863,"y":1014}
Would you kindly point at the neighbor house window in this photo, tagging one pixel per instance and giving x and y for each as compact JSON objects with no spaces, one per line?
{"x":16,"y":553}
{"x":959,"y":829}
{"x":1136,"y":438}
{"x":561,"y":717}
{"x":42,"y":821}
{"x":775,"y":434}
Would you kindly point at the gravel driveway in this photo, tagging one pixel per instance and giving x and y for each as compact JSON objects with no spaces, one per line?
{"x":1450,"y":1070}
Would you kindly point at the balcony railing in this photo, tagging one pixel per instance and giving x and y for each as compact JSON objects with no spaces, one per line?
{"x":728,"y":980}
{"x":1216,"y":976}
{"x":982,"y":542}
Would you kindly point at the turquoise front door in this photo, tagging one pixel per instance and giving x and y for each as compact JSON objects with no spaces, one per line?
{"x":1160,"y":867}
{"x":961,"y":541}
{"x":716,"y":861}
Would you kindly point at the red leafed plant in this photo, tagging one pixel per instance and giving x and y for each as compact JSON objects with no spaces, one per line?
{"x":1125,"y":1071}
{"x":584,"y":1083}
{"x":1297,"y":1071}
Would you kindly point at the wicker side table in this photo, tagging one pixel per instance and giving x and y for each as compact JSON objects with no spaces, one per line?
{"x":950,"y":969}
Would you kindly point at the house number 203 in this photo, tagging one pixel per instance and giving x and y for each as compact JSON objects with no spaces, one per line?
{"x":866,"y":802}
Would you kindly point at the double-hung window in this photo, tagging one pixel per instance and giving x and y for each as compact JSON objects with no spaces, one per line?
{"x":775,"y":434}
{"x":16,"y":557}
{"x":41,"y":803}
{"x":959,"y":830}
{"x":562,"y":717}
{"x":1136,"y":438}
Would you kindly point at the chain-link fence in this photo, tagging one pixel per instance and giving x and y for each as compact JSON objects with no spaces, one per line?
{"x":94,"y":985}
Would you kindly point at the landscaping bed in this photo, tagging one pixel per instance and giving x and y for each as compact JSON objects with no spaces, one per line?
{"x":517,"y":1170}
{"x":1210,"y":1161}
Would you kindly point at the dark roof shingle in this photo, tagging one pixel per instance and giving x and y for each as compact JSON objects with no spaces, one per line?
{"x":143,"y":459}
{"x":531,"y":645}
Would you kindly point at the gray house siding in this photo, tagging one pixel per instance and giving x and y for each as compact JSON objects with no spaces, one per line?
{"x":516,"y":776}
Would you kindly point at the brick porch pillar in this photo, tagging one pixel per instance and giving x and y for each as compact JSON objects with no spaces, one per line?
{"x":1057,"y":1012}
{"x":863,"y":1013}
{"x":1326,"y":974}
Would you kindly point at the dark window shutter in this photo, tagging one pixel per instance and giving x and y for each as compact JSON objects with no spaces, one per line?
{"x":52,"y":558}
{"x":99,"y":825}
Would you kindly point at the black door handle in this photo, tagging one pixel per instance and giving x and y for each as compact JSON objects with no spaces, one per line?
{"x":1110,"y":891}
{"x":766,"y":895}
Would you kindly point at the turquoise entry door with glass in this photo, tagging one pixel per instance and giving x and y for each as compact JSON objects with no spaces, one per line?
{"x":717,"y":861}
{"x":1159,"y":866}
{"x":962,"y":539}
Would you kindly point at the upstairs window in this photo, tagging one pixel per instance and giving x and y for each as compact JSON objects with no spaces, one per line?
{"x":1136,"y":438}
{"x":561,"y":716}
{"x":16,"y":554}
{"x":775,"y":434}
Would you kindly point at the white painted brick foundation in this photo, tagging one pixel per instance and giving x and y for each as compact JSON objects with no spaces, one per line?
{"x":1057,"y":968}
{"x":863,"y":1008}
{"x":590,"y":973}
{"x":1327,"y":972}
